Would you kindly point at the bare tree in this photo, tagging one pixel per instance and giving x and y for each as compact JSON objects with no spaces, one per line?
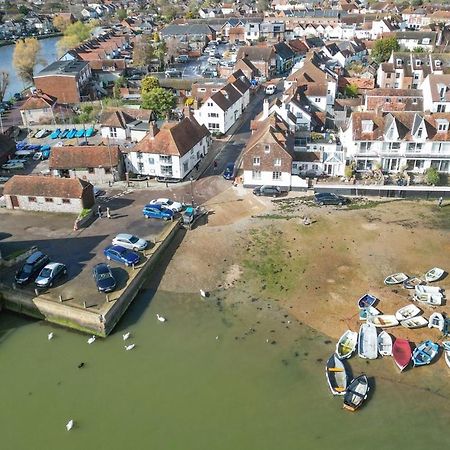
{"x":4,"y":83}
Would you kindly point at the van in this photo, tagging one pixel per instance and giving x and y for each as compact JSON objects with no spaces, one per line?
{"x":270,"y":89}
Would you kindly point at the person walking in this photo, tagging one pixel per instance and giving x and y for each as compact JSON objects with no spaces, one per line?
{"x":108,"y":213}
{"x":440,"y":202}
{"x":99,"y":211}
{"x":215,"y":165}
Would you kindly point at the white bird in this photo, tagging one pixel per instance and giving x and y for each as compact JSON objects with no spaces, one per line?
{"x":50,"y":336}
{"x":203,"y":293}
{"x":217,"y":338}
{"x":91,"y":340}
{"x":160,"y":318}
{"x":130,"y":347}
{"x":69,"y":425}
{"x":126,"y":336}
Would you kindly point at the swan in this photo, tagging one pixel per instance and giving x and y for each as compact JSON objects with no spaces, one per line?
{"x":160,"y":318}
{"x":126,"y":336}
{"x":91,"y":340}
{"x":50,"y":336}
{"x":70,"y":424}
{"x":130,"y":347}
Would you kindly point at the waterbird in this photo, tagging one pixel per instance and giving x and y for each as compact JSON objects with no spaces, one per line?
{"x":91,"y":340}
{"x":126,"y":336}
{"x":50,"y":335}
{"x":217,"y":338}
{"x":70,"y":424}
{"x":160,"y":318}
{"x":203,"y":293}
{"x":130,"y":347}
{"x":81,"y":365}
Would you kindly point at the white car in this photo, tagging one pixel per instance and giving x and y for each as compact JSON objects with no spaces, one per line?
{"x":166,"y":203}
{"x":270,"y":89}
{"x":130,"y":241}
{"x":50,"y":273}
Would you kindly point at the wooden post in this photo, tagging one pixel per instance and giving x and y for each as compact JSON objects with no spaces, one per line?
{"x":84,"y":305}
{"x":60,"y":298}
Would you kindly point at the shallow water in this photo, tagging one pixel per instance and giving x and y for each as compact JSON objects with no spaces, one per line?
{"x":181,"y":388}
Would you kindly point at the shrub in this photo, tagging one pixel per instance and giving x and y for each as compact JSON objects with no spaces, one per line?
{"x":432,"y":176}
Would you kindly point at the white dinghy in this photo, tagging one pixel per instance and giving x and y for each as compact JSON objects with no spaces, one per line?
{"x":367,"y":341}
{"x":436,"y":320}
{"x":395,"y":278}
{"x":414,"y":322}
{"x":347,"y":344}
{"x":407,"y":312}
{"x":385,"y":344}
{"x":383,"y":321}
{"x":434,"y":274}
{"x":70,"y":424}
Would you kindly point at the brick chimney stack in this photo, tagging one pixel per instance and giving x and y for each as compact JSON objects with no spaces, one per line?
{"x":153,"y":130}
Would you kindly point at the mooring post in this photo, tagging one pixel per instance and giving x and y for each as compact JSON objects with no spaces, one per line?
{"x":84,"y":305}
{"x":60,"y":298}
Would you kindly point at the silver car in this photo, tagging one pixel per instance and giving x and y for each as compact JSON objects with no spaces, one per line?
{"x":130,"y":241}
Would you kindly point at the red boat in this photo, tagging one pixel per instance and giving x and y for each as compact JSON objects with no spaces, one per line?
{"x":401,"y":352}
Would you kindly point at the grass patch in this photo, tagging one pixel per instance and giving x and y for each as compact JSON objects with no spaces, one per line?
{"x":85,"y":212}
{"x":276,"y":217}
{"x":441,"y":217}
{"x":15,"y":254}
{"x":367,"y":204}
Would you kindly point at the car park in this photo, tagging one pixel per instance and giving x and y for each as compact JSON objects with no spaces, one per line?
{"x":103,"y":278}
{"x":157,"y":212}
{"x":130,"y":241}
{"x":270,"y":89}
{"x":228,"y":173}
{"x":32,"y":266}
{"x":268,"y":191}
{"x":166,"y":203}
{"x":328,"y":198}
{"x":50,"y":273}
{"x":121,"y":255}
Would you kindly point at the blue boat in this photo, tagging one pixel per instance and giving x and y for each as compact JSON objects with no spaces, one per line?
{"x":45,"y":153}
{"x":45,"y":148}
{"x":90,"y":132}
{"x":424,"y":353}
{"x":367,"y":300}
{"x":71,"y":134}
{"x":64,"y":133}
{"x":79,"y":134}
{"x":55,"y":134}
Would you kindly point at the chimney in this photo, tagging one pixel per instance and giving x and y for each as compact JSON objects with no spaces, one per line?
{"x":187,"y":112}
{"x":153,"y":130}
{"x":266,"y":108}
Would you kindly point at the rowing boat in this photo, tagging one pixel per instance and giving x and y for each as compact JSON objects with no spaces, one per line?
{"x":412,"y":282}
{"x":396,"y":278}
{"x":336,"y":375}
{"x":401,"y":351}
{"x":407,"y":312}
{"x":434,"y":274}
{"x":424,"y":353}
{"x":414,"y":322}
{"x":367,"y":341}
{"x":383,"y":321}
{"x":356,"y":393}
{"x":385,"y":344}
{"x":436,"y":320}
{"x":446,"y":345}
{"x":347,"y":344}
{"x":367,"y":300}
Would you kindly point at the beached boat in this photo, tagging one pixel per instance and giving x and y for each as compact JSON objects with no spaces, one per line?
{"x":367,"y":341}
{"x":385,"y":344}
{"x":395,"y":278}
{"x":407,"y":312}
{"x":367,"y":300}
{"x":428,"y":290}
{"x":424,"y":353}
{"x":356,"y":393}
{"x":434,"y":274}
{"x":90,"y":132}
{"x":367,"y":312}
{"x":446,"y":345}
{"x":70,"y":424}
{"x":347,"y":344}
{"x":336,"y":375}
{"x":412,"y":282}
{"x":414,"y":322}
{"x":430,"y":299}
{"x":436,"y":320}
{"x":383,"y":321}
{"x":401,"y":351}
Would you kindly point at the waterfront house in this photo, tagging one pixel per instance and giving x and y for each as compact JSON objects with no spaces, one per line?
{"x":38,"y":108}
{"x":49,"y":194}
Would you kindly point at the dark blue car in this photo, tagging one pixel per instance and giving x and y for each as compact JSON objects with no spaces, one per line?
{"x":228,"y":173}
{"x":156,"y":211}
{"x":103,"y":277}
{"x":121,"y":255}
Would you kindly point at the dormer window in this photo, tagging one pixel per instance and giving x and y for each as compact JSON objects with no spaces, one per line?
{"x":266,"y":148}
{"x":442,"y":124}
{"x":425,"y":41}
{"x":367,"y":126}
{"x":419,"y":132}
{"x":418,"y":62}
{"x":399,"y":62}
{"x":438,"y":63}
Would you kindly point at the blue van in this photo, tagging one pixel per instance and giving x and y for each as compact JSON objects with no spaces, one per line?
{"x":228,"y":173}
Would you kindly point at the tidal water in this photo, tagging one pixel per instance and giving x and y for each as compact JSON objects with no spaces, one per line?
{"x":205,"y":379}
{"x":47,"y":54}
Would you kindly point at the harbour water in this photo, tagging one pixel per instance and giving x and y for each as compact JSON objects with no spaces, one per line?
{"x":47,"y":54}
{"x":205,"y":379}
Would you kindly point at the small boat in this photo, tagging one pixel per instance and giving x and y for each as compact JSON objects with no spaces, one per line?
{"x":407,"y":312}
{"x":79,"y":133}
{"x":160,"y":318}
{"x":436,"y":320}
{"x":424,"y":353}
{"x":356,"y":393}
{"x":336,"y":375}
{"x":55,"y":134}
{"x":434,"y":274}
{"x":428,"y":290}
{"x":347,"y":344}
{"x":401,"y":351}
{"x":430,"y":299}
{"x":412,"y":282}
{"x":50,"y":336}
{"x":90,"y":132}
{"x":385,"y":344}
{"x":130,"y":347}
{"x":395,"y":278}
{"x":126,"y":336}
{"x":414,"y":322}
{"x":383,"y":321}
{"x":446,"y":345}
{"x":91,"y":340}
{"x":69,"y":425}
{"x":367,"y":300}
{"x":367,"y":312}
{"x":64,"y":134}
{"x":71,"y":133}
{"x":367,"y":341}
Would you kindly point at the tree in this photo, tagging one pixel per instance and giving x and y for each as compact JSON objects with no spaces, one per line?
{"x":262,"y":5}
{"x":24,"y":58}
{"x":383,"y":48}
{"x":160,"y":101}
{"x":121,"y":14}
{"x":156,"y":37}
{"x":148,"y":83}
{"x":351,"y":90}
{"x":161,"y":52}
{"x":23,"y":10}
{"x":4,"y":83}
{"x":142,"y":51}
{"x":120,"y":81}
{"x":60,"y":23}
{"x":432,"y":176}
{"x":418,"y":50}
{"x":74,"y":35}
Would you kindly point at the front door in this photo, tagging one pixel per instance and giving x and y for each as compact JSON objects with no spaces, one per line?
{"x":14,"y":201}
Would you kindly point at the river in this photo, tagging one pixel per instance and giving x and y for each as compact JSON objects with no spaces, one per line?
{"x":204,"y":380}
{"x":47,"y":54}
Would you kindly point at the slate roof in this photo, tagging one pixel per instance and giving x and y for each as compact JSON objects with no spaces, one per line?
{"x":256,"y":52}
{"x":84,"y":157}
{"x":186,"y":29}
{"x":66,"y":68}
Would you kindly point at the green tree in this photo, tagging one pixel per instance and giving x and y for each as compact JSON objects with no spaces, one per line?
{"x":148,"y":83}
{"x":160,"y":101}
{"x":156,"y":37}
{"x":142,"y":51}
{"x":351,"y":90}
{"x":383,"y":48}
{"x":25,"y":58}
{"x":121,"y":14}
{"x":74,"y":35}
{"x":262,"y":5}
{"x":418,"y":50}
{"x":118,"y":83}
{"x":432,"y":176}
{"x":160,"y":52}
{"x":23,"y":10}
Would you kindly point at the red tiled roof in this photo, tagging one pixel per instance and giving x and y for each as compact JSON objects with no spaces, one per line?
{"x":84,"y":157}
{"x":39,"y":101}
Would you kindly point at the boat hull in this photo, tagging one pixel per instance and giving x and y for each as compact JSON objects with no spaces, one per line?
{"x":396,"y":278}
{"x":424,"y":353}
{"x":383,"y":321}
{"x":367,"y":341}
{"x":401,"y":351}
{"x":407,"y":312}
{"x":347,"y":344}
{"x":384,"y":344}
{"x":356,"y":393}
{"x":336,"y":375}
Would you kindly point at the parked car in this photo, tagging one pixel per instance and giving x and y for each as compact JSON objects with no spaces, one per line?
{"x":182,"y":59}
{"x":130,"y":241}
{"x":13,"y":165}
{"x":228,"y":173}
{"x":121,"y":255}
{"x":213,"y":60}
{"x":32,"y":266}
{"x":269,"y":191}
{"x":209,"y":73}
{"x":270,"y":89}
{"x":157,"y":212}
{"x":103,"y":278}
{"x":166,"y":203}
{"x":50,"y":273}
{"x":328,"y":198}
{"x":18,"y":96}
{"x":173,"y":73}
